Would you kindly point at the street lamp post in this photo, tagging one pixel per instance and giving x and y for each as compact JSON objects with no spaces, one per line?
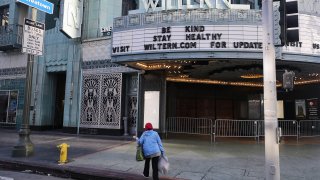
{"x":25,"y":147}
{"x":272,"y":165}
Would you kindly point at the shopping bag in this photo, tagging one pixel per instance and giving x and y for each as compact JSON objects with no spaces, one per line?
{"x":163,"y":165}
{"x":139,"y":154}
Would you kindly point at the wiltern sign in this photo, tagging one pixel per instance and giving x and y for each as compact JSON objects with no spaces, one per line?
{"x":164,"y":5}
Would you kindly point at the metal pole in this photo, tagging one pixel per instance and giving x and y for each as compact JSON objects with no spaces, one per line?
{"x":165,"y":106}
{"x":79,"y":96}
{"x":272,"y":166}
{"x":25,"y":147}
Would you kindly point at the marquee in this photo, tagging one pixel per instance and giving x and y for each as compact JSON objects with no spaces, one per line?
{"x":188,"y":38}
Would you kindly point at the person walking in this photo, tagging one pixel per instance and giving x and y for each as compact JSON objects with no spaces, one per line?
{"x":152,"y":149}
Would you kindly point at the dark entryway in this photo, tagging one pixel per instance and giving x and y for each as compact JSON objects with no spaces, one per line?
{"x":208,"y":101}
{"x":235,"y":102}
{"x":3,"y":106}
{"x":59,"y":100}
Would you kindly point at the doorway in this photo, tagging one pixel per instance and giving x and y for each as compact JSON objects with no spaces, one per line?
{"x":208,"y":101}
{"x":59,"y":100}
{"x":4,"y":96}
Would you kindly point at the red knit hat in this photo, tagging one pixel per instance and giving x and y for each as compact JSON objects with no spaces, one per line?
{"x":148,"y":126}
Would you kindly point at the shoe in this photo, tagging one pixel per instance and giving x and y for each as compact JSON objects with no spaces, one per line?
{"x":144,"y":175}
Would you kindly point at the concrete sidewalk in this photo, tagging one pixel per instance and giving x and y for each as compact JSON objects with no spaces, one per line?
{"x":104,"y":157}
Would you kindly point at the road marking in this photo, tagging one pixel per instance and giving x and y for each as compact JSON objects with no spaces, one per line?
{"x":5,"y":178}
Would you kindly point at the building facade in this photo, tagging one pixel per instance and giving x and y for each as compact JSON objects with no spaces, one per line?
{"x":147,"y":61}
{"x":203,"y":59}
{"x":106,"y":87}
{"x":13,"y":62}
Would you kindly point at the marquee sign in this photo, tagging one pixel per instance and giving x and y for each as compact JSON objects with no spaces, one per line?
{"x":164,"y":5}
{"x":309,"y":36}
{"x":188,"y":38}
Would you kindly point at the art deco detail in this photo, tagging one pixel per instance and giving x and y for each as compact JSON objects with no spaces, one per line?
{"x":101,"y":101}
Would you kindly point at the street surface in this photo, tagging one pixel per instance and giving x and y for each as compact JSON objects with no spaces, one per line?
{"x":11,"y":175}
{"x":190,"y":158}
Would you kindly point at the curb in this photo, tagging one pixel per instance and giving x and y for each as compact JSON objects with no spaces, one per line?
{"x":65,"y":171}
{"x":69,"y":171}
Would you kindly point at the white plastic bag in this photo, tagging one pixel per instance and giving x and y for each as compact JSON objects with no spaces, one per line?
{"x":163,"y":165}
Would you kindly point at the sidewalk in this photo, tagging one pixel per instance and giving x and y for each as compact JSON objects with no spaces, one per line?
{"x":101,"y":157}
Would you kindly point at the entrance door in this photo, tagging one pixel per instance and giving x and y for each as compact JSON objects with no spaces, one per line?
{"x":59,"y":100}
{"x":4,"y":97}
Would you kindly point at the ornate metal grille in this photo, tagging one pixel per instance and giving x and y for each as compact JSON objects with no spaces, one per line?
{"x":132,"y":115}
{"x":110,"y":100}
{"x":101,"y":101}
{"x":132,"y":104}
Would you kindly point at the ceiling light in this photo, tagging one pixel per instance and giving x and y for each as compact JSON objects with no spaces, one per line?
{"x":252,"y":76}
{"x":186,"y":79}
{"x":158,"y":66}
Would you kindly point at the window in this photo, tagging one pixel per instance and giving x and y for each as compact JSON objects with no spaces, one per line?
{"x":8,"y":106}
{"x":4,"y":16}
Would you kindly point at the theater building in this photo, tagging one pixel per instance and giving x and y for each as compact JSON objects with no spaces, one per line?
{"x":203,"y":59}
{"x":142,"y":61}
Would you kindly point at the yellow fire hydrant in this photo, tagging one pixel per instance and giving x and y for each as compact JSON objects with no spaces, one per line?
{"x":63,"y":152}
